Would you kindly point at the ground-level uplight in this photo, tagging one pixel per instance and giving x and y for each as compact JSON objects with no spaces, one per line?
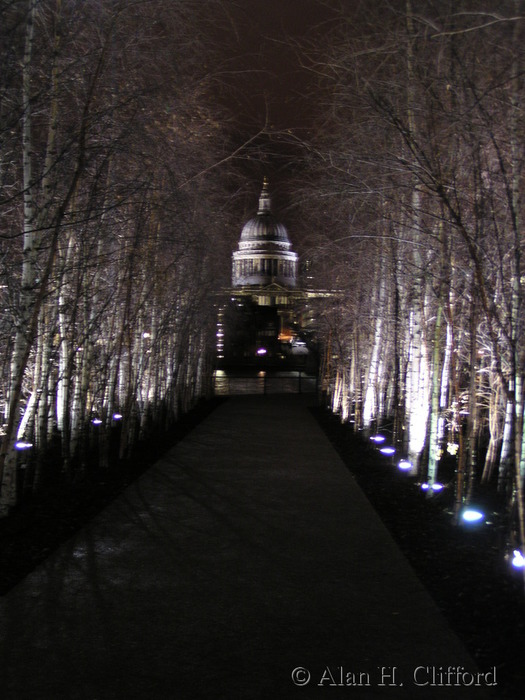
{"x":261,"y":351}
{"x":388,"y":451}
{"x":378,"y":439}
{"x":436,"y":487}
{"x":472,"y":515}
{"x":518,"y":560}
{"x":117,"y":416}
{"x":22,"y":445}
{"x":404,"y":465}
{"x":96,"y":421}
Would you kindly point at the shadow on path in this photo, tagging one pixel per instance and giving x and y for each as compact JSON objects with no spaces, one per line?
{"x":245,"y":553}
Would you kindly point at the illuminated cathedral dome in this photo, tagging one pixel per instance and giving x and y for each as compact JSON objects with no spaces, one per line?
{"x":264,"y":254}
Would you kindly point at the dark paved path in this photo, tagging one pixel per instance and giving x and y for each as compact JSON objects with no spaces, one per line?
{"x":248,"y":551}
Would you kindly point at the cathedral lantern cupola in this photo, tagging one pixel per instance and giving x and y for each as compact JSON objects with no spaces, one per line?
{"x":264,"y":254}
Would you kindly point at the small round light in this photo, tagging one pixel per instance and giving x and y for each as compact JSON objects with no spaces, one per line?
{"x":261,"y":351}
{"x":117,"y":416}
{"x":471,"y":515}
{"x":425,"y":487}
{"x":437,"y":487}
{"x":518,"y":560}
{"x":21,"y":445}
{"x":405,"y":465}
{"x":96,"y":421}
{"x":378,"y":439}
{"x":388,"y":451}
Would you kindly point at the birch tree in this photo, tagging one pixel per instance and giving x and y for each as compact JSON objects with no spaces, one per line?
{"x":114,"y":187}
{"x":450,"y":173}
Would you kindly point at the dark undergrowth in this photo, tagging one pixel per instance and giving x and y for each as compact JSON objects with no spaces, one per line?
{"x":463,"y":568}
{"x":45,"y":520}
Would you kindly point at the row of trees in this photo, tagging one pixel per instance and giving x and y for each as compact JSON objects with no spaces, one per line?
{"x":109,"y":258}
{"x":112,"y":222}
{"x":420,"y":155}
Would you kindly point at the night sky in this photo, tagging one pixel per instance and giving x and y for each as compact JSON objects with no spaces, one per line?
{"x":260,"y":45}
{"x":263,"y":53}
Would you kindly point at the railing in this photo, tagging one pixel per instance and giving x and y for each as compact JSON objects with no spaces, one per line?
{"x":297,"y":382}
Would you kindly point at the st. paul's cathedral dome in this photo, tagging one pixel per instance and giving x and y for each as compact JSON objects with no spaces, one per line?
{"x":264,"y":254}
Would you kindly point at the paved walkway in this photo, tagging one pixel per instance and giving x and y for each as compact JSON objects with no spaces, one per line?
{"x":247,"y":552}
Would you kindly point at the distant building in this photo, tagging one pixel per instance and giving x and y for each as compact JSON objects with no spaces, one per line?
{"x":265,"y":257}
{"x":264,"y":321}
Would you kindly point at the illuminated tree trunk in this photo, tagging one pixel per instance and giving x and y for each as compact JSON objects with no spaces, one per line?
{"x":417,"y":390}
{"x":374,"y":378}
{"x":517,"y":305}
{"x":434,"y":448}
{"x":495,"y":428}
{"x":445,"y":376}
{"x":338,"y":389}
{"x":52,"y":212}
{"x":64,"y":376}
{"x":46,"y":340}
{"x":8,"y":494}
{"x":472,"y":418}
{"x":418,"y":371}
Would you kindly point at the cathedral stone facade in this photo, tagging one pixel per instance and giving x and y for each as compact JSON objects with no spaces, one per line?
{"x":265,"y":254}
{"x":262,"y":323}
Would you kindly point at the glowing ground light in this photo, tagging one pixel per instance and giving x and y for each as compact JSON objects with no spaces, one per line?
{"x":21,"y":445}
{"x":96,"y":421}
{"x":471,"y":515}
{"x":378,"y":439}
{"x":434,"y":487}
{"x":261,"y":351}
{"x":518,"y":560}
{"x":388,"y":451}
{"x":405,"y":465}
{"x":117,"y":416}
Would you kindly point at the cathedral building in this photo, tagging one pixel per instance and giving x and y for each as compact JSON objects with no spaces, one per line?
{"x":265,"y":259}
{"x":263,"y":323}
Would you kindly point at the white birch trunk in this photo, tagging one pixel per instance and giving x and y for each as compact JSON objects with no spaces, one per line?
{"x":370,"y":403}
{"x":505,"y":464}
{"x":8,"y":495}
{"x":434,"y":441}
{"x":445,"y":378}
{"x":417,"y":404}
{"x":64,"y":348}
